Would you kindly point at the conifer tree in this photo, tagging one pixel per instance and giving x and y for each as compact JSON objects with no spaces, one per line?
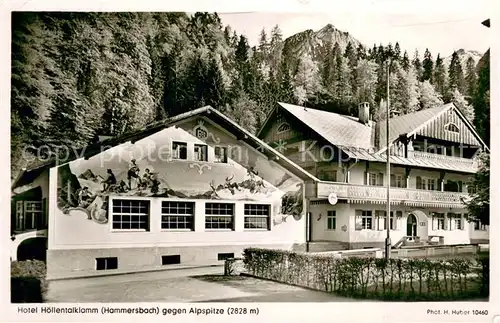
{"x":440,"y":76}
{"x":428,"y":64}
{"x":405,"y":64}
{"x":456,"y":78}
{"x":417,"y":65}
{"x":397,"y":51}
{"x":470,"y":77}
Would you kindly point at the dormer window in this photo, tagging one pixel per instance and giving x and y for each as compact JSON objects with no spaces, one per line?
{"x":451,"y":127}
{"x":283,"y":127}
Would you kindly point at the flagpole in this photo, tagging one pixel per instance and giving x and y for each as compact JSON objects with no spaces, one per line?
{"x":388,"y":214}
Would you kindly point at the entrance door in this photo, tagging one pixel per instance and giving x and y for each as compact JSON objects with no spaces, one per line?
{"x":411,"y":225}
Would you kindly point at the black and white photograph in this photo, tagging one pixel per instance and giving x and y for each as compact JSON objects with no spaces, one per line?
{"x":249,"y":157}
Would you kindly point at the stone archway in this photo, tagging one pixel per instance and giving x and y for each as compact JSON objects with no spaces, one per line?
{"x":32,"y":248}
{"x":417,"y":224}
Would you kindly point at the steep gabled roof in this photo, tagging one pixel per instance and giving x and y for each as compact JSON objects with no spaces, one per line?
{"x":338,"y":129}
{"x":38,"y":167}
{"x":408,"y":123}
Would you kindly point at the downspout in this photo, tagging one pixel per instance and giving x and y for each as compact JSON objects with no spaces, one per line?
{"x":308,"y":217}
{"x":308,"y":224}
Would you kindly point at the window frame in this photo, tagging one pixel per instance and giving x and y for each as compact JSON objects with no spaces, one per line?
{"x":177,"y":215}
{"x":257,"y":216}
{"x":106,"y":260}
{"x":204,"y":152}
{"x":225,"y":155}
{"x":331,"y":220}
{"x":285,"y":125}
{"x":448,"y":127}
{"x":37,"y":216}
{"x":327,"y":178}
{"x":112,"y":213}
{"x":381,"y":215}
{"x":398,"y":181}
{"x":232,"y":217}
{"x":438,"y":222}
{"x":425,"y":183}
{"x":176,"y":151}
{"x":364,"y":216}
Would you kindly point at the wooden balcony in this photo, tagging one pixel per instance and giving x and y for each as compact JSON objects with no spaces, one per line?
{"x":378,"y":194}
{"x":422,"y":155}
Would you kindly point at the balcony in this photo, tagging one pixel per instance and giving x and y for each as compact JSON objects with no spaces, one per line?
{"x":422,"y":155}
{"x":378,"y":195}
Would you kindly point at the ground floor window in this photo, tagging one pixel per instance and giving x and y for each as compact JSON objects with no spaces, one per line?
{"x":107,"y":263}
{"x":364,"y":220}
{"x":257,"y":216}
{"x":219,"y":216}
{"x":438,"y":222}
{"x":331,"y":220}
{"x":455,"y":221}
{"x":380,"y":220}
{"x":130,"y":215}
{"x":177,"y":215}
{"x":31,"y":215}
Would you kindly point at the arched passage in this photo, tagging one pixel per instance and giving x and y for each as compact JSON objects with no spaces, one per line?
{"x":32,"y":248}
{"x":417,"y":224}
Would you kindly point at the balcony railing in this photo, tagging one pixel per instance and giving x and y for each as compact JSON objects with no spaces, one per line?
{"x":438,"y":157}
{"x":378,"y":194}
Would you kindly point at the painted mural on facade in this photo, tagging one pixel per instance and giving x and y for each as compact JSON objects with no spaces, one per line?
{"x":85,"y":185}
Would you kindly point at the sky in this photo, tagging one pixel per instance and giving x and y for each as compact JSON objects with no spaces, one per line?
{"x":440,"y":32}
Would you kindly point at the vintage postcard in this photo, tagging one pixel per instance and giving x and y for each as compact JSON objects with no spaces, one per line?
{"x":215,"y":162}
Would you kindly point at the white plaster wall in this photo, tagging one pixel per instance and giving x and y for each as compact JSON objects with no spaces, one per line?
{"x":346,"y":215}
{"x":478,"y":234}
{"x":319,"y":225}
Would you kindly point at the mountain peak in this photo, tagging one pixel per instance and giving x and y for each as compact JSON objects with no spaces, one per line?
{"x":329,"y":26}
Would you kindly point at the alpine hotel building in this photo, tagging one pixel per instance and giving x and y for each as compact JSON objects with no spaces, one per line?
{"x":197,"y":188}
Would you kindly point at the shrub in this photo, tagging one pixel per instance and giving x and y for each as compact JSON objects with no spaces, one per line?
{"x":28,"y":281}
{"x":388,"y":279}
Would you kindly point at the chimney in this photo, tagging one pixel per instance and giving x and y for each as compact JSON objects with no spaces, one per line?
{"x":364,"y":113}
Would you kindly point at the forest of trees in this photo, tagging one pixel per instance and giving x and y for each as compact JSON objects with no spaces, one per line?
{"x":78,"y":75}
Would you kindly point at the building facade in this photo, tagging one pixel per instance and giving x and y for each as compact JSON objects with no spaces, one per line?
{"x":197,"y":188}
{"x":192,"y":191}
{"x":432,"y":155}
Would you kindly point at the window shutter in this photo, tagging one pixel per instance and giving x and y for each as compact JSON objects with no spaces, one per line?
{"x":366,"y":178}
{"x":433,"y":219}
{"x":380,"y":179}
{"x":357,"y":220}
{"x":460,"y":186}
{"x":19,"y":215}
{"x":419,"y":183}
{"x":393,"y":180}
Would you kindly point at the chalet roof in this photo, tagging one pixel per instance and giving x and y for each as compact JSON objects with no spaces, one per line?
{"x":38,"y":167}
{"x":430,"y":161}
{"x":337,"y":129}
{"x":409,"y":122}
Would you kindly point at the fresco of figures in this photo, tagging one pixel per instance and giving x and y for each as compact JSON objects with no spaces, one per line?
{"x":85,"y":185}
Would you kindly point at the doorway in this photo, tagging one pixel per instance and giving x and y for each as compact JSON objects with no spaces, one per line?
{"x":411,"y":225}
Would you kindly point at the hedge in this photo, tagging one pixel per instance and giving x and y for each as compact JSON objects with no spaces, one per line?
{"x":386,"y":279}
{"x":28,"y":283}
